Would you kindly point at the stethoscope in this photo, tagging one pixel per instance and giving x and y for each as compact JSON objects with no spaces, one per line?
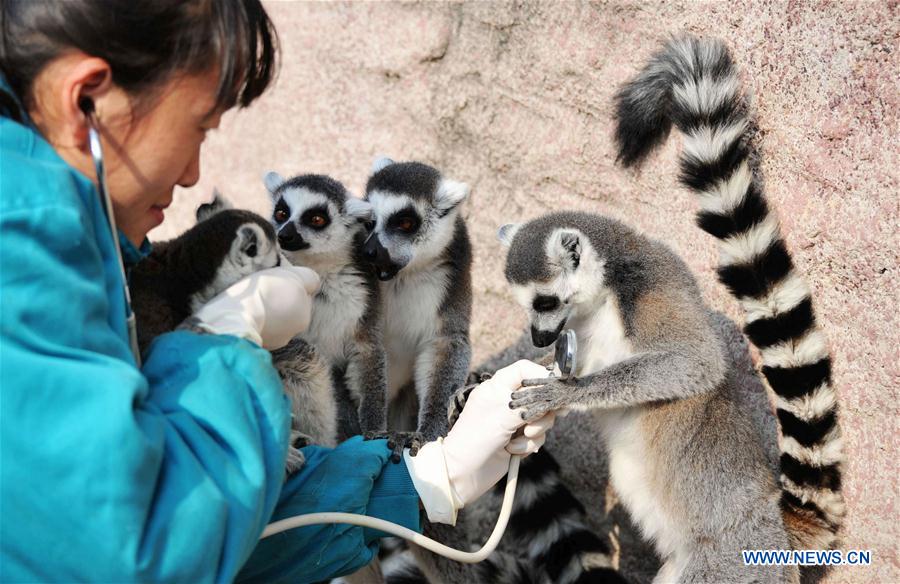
{"x":87,"y":106}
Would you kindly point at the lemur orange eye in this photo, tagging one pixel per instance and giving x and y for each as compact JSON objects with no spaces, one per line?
{"x":317,"y":221}
{"x":405,"y":224}
{"x":281,"y":215}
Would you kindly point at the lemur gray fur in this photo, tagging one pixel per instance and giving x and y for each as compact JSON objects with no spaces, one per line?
{"x":182,"y":274}
{"x":319,"y":225}
{"x":419,"y":248}
{"x":683,"y":457}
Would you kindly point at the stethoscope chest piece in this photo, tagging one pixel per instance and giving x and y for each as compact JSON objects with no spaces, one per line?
{"x":564,"y":358}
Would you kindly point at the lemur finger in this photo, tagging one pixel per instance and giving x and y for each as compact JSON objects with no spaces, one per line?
{"x":536,"y":411}
{"x":458,"y":403}
{"x":532,"y":409}
{"x":295,"y":460}
{"x":375,"y":435}
{"x":534,"y":382}
{"x":526,"y":396}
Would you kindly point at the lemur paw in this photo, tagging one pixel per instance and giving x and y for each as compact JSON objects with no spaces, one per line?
{"x":398,"y":441}
{"x":540,"y":396}
{"x":458,"y":402}
{"x":476,"y":377}
{"x":295,"y":460}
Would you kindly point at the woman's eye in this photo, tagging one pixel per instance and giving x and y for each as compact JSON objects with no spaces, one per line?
{"x":281,"y":216}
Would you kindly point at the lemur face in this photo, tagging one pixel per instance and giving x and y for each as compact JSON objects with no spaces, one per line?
{"x":231,"y":244}
{"x":414,"y":215}
{"x":547,"y":277}
{"x":314,"y":216}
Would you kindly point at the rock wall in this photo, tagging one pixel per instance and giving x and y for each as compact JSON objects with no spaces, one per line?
{"x":515,"y":99}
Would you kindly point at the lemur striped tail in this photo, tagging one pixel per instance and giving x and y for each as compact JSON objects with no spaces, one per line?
{"x":401,"y":568}
{"x":694,"y":84}
{"x":550,"y":525}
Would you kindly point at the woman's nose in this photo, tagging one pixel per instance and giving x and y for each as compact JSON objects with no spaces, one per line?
{"x":192,"y":172}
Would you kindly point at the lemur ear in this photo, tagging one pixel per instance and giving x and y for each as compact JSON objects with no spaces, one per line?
{"x":506,"y":233}
{"x":247,"y":241}
{"x":273,"y":180}
{"x":207,"y":210}
{"x":380,"y":163}
{"x":358,"y":209}
{"x":450,"y":194}
{"x":564,"y":249}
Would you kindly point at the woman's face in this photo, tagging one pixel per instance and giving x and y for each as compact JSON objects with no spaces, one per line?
{"x":148,"y":150}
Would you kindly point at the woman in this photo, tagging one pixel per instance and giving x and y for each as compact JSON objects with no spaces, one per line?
{"x":113,"y":471}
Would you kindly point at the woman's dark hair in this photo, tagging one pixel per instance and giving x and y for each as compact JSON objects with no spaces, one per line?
{"x":144,"y":42}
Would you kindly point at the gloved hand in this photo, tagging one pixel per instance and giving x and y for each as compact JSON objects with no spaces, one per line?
{"x":269,"y":307}
{"x":453,"y":471}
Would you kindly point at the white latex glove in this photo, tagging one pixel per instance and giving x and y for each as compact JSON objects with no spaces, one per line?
{"x":269,"y":307}
{"x":453,"y":471}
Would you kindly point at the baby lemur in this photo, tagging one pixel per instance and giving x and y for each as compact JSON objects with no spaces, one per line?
{"x":419,"y":249}
{"x":182,"y":274}
{"x":683,"y":457}
{"x":320,"y":225}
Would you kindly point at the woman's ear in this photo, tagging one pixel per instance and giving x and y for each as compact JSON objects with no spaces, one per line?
{"x":87,"y":84}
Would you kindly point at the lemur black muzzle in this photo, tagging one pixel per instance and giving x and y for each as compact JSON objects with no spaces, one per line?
{"x":378,"y":257}
{"x":290,"y":240}
{"x":546,"y":338}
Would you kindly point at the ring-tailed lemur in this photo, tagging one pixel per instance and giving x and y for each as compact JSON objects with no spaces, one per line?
{"x":419,"y":248}
{"x":683,"y":457}
{"x":576,"y":444}
{"x":182,"y":274}
{"x":319,"y":225}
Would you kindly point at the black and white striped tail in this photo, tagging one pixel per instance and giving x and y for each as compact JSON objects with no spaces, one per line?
{"x":549,"y":524}
{"x":694,"y":85}
{"x":401,"y":568}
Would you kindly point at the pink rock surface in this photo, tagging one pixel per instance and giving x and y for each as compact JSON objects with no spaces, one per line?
{"x":515,"y":99}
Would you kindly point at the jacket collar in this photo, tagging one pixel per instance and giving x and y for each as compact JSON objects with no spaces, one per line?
{"x":131,"y":255}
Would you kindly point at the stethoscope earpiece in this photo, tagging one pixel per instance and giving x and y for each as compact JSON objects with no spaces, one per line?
{"x":86,"y":105}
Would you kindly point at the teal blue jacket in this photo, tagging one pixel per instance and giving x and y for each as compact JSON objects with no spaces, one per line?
{"x":165,"y":473}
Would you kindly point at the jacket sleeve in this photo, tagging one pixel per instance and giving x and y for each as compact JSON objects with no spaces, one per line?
{"x":356,"y":477}
{"x":110,"y":473}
